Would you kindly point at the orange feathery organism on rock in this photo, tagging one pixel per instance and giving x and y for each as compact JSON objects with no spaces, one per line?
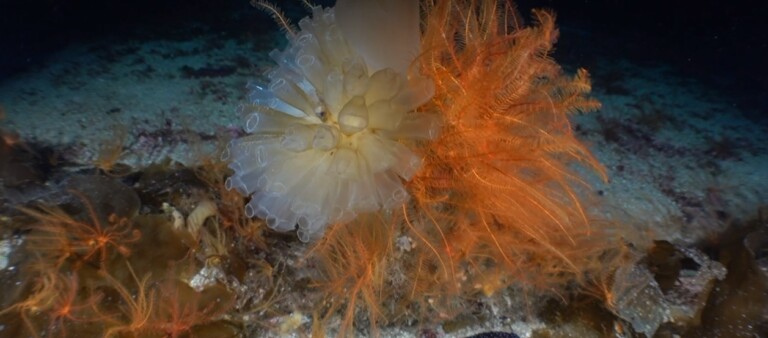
{"x":354,"y":260}
{"x":110,"y":151}
{"x":53,"y":304}
{"x":71,"y":306}
{"x":496,"y":187}
{"x":180,"y":310}
{"x":136,"y":308}
{"x":44,"y":288}
{"x":58,"y":236}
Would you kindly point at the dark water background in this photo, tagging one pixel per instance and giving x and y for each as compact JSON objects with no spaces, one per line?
{"x":723,"y":43}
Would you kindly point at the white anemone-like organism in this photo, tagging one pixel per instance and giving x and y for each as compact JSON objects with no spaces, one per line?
{"x":326,"y":131}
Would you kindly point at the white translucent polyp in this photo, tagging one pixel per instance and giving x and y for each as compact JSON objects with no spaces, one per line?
{"x":326,"y":137}
{"x":344,"y":163}
{"x":383,"y":85}
{"x":326,"y":131}
{"x":353,"y":117}
{"x":297,"y":137}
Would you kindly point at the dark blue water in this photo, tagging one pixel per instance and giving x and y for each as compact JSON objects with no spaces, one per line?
{"x":721,"y":43}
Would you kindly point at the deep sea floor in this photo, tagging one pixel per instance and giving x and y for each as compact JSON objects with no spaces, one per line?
{"x":687,"y":167}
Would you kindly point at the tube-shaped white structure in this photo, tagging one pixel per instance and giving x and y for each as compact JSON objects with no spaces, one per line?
{"x":325,"y":132}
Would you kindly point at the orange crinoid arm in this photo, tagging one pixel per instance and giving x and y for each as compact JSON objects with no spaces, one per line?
{"x":496,"y":187}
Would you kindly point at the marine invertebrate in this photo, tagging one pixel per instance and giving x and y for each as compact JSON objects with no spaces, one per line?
{"x":229,"y":203}
{"x":71,"y":307}
{"x":483,"y":147}
{"x":59,"y":236}
{"x":136,"y":308}
{"x":496,"y":201}
{"x":328,"y":131}
{"x":354,"y":260}
{"x":499,"y":172}
{"x":181,"y":310}
{"x":195,"y":220}
{"x":110,"y":151}
{"x":53,"y":302}
{"x":44,"y":288}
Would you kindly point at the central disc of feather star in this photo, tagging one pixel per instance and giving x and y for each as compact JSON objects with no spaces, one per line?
{"x":325,"y":131}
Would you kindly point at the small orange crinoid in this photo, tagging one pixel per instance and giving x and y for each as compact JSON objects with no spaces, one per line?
{"x":110,"y":151}
{"x":54,"y":296}
{"x":58,"y":236}
{"x":180,"y":309}
{"x":136,"y":307}
{"x":70,"y":306}
{"x":43,"y":290}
